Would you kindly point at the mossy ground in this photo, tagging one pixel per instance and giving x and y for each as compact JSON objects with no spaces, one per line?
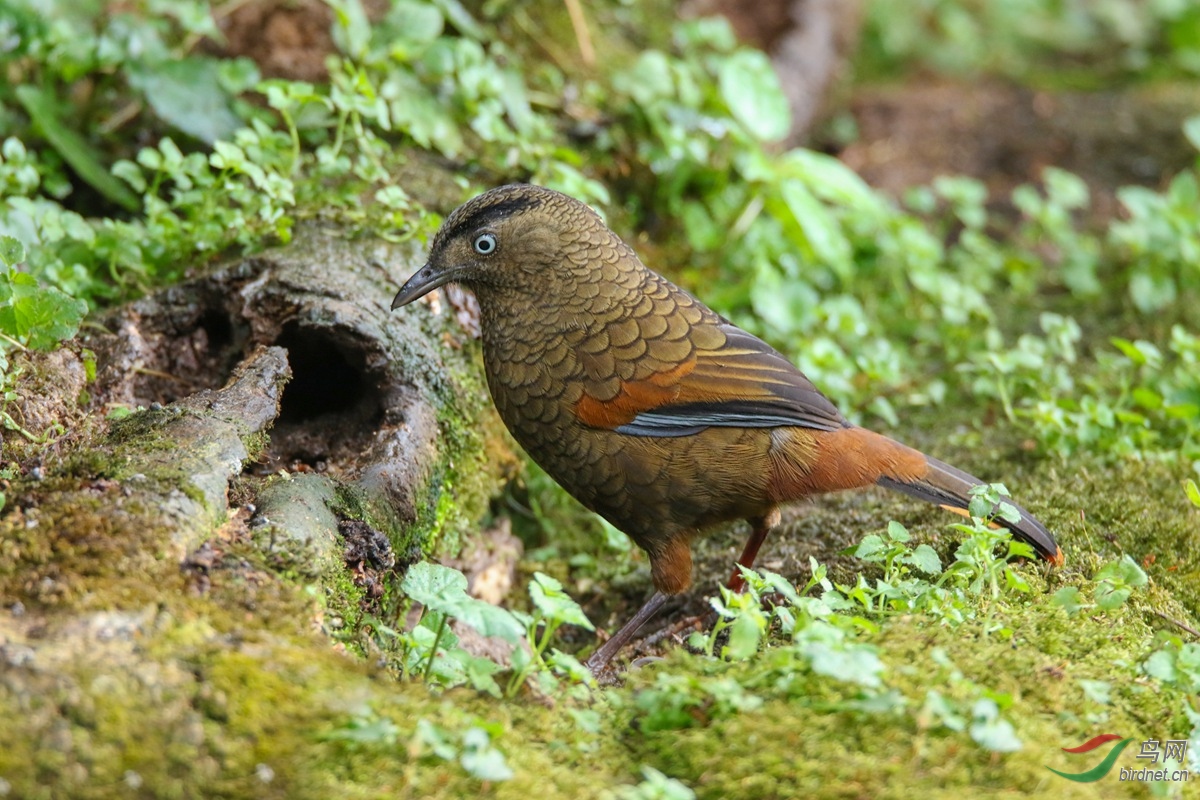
{"x":246,"y":698}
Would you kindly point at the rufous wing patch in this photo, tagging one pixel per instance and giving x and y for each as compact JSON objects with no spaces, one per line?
{"x":633,"y":398}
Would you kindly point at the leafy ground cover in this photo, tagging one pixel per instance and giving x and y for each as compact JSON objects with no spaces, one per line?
{"x":1018,"y":334}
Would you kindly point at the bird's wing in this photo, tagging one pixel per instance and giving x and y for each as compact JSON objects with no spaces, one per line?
{"x":698,"y":371}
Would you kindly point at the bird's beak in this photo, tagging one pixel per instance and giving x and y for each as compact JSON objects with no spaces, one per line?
{"x":424,"y":281}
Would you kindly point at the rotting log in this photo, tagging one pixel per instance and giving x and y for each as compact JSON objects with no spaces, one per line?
{"x":284,"y":417}
{"x":391,"y":406}
{"x":372,"y":416}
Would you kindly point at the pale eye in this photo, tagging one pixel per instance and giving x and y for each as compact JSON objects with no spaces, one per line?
{"x":485,"y":244}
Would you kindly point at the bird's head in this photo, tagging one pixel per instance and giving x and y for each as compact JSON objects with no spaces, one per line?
{"x":518,"y":238}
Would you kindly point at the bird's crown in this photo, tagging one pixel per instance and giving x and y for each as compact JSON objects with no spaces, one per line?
{"x":505,"y":202}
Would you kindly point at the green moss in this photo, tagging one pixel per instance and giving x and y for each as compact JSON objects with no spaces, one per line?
{"x":80,"y":550}
{"x":474,"y":456}
{"x":276,"y":696}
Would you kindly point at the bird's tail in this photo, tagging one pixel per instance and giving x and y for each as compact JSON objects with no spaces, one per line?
{"x":950,"y":488}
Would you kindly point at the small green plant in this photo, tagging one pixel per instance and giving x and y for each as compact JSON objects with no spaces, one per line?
{"x":960,"y":704}
{"x":1114,"y":583}
{"x":914,"y":579}
{"x":473,"y":748}
{"x":892,"y":551}
{"x":976,"y":566}
{"x":553,"y":608}
{"x":653,"y":786}
{"x":1176,"y":663}
{"x":811,"y":633}
{"x":430,"y":649}
{"x":32,"y":315}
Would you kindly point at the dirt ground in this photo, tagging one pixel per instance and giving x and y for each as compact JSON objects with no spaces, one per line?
{"x":1006,"y":135}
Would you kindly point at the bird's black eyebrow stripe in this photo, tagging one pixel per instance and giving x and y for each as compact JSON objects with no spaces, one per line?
{"x":487,"y":214}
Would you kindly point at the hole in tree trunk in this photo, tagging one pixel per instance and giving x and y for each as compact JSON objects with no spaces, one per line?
{"x":331,"y":407}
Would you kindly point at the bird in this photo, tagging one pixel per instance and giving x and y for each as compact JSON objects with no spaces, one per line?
{"x":645,"y":405}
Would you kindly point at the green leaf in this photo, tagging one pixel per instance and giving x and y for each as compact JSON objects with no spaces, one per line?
{"x":1147,"y":398}
{"x":1193,"y":492}
{"x":1109,"y":597}
{"x":980,"y":506}
{"x":786,"y":304}
{"x":775,"y":581}
{"x":870,"y":547}
{"x":458,"y":16}
{"x":1161,"y":665}
{"x":1008,"y":512}
{"x":1127,"y":347}
{"x":925,"y":558}
{"x":1191,"y":129}
{"x":941,"y":710}
{"x":656,"y":786}
{"x":436,"y":740}
{"x":433,"y":585}
{"x":187,"y":95}
{"x":352,"y":33}
{"x":415,"y":23}
{"x":480,"y":759}
{"x":444,"y":590}
{"x":569,"y":665}
{"x":366,"y":728}
{"x":479,"y":672}
{"x":1178,"y":666}
{"x":996,"y":735}
{"x":548,"y":595}
{"x":1150,"y":292}
{"x":75,"y":150}
{"x":897,"y":532}
{"x":38,"y":316}
{"x":831,"y":655}
{"x":1116,"y":581}
{"x":1126,"y":571}
{"x":1097,"y":691}
{"x":831,"y":180}
{"x":12,"y":252}
{"x":1070,"y":599}
{"x":744,"y":636}
{"x":750,"y":88}
{"x":990,"y":731}
{"x":1066,"y":189}
{"x":817,"y":228}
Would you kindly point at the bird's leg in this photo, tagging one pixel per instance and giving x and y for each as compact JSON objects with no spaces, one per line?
{"x":599,"y":659}
{"x":761,"y":527}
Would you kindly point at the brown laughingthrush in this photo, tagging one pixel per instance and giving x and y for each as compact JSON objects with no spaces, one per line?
{"x":649,"y":408}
